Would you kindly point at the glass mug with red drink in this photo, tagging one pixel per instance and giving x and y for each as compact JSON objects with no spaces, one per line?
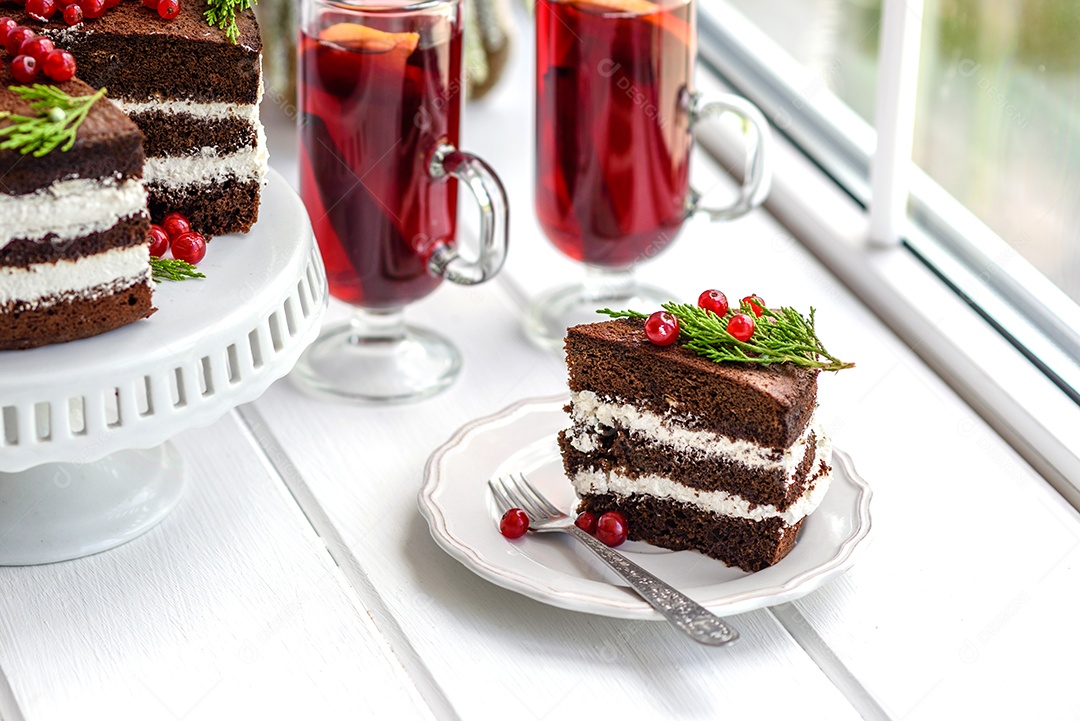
{"x":615,"y":113}
{"x":381,"y":85}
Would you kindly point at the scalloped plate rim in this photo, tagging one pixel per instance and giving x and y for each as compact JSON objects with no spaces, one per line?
{"x":486,"y":554}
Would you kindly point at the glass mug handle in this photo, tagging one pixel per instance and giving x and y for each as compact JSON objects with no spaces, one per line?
{"x":758,"y":173}
{"x":449,"y":162}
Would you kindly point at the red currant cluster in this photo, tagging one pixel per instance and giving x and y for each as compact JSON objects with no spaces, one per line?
{"x":611,"y":528}
{"x":33,"y":54}
{"x":75,"y":11}
{"x":175,"y":234}
{"x":166,"y":9}
{"x":662,"y":328}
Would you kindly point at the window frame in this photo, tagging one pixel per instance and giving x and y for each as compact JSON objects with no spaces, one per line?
{"x":999,"y":347}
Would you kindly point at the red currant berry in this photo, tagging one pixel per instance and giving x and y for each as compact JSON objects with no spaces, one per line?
{"x":59,"y":65}
{"x":662,"y":328}
{"x":514,"y":523}
{"x":152,"y":4}
{"x":67,"y":3}
{"x":713,"y":300}
{"x":159,"y":241}
{"x":73,"y":15}
{"x":756,"y":304}
{"x":41,"y":9}
{"x":109,"y":4}
{"x":741,"y":326}
{"x":37,"y":48}
{"x":168,"y":9}
{"x":24,"y":69}
{"x":586,"y":521}
{"x":190,"y":247}
{"x":92,"y":8}
{"x":176,"y":224}
{"x":16,"y":37}
{"x":611,"y":528}
{"x":6,"y":26}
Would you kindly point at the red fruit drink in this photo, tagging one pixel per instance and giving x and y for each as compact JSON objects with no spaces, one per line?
{"x":375,"y":101}
{"x":613,"y":138}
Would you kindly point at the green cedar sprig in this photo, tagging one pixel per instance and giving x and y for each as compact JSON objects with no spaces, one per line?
{"x":222,"y":13}
{"x":781,"y":335}
{"x":58,"y":118}
{"x":172,"y":269}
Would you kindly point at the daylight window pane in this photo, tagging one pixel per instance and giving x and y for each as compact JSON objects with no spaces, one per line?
{"x":999,"y":122}
{"x":836,"y":39}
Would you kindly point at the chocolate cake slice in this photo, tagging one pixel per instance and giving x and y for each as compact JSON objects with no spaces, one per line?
{"x":74,"y":254}
{"x":194,"y":94}
{"x":723,"y":458}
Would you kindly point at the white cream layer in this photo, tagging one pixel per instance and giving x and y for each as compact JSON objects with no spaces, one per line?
{"x":588,"y":410}
{"x":70,"y":209}
{"x":202,"y":111}
{"x":87,"y":277}
{"x":719,"y":502}
{"x":208,"y":166}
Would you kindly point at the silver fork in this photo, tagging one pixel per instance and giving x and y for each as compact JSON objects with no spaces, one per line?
{"x":700,"y":624}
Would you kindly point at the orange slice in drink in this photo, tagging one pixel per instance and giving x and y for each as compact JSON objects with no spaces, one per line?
{"x":368,"y":39}
{"x":637,"y":7}
{"x":653,"y":12}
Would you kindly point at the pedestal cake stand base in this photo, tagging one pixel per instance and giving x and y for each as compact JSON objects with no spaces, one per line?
{"x":83,"y":467}
{"x":60,"y":511}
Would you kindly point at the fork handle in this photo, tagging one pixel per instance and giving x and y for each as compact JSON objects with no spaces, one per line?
{"x":687,"y":615}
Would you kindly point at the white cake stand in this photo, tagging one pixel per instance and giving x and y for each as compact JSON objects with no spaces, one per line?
{"x":84,"y":460}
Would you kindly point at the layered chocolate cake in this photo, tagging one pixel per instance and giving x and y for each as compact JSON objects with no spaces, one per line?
{"x":74,"y":255}
{"x":195,"y":95}
{"x":723,"y":458}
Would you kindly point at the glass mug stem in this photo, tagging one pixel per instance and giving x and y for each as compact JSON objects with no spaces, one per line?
{"x":445,"y":261}
{"x":757,"y":175}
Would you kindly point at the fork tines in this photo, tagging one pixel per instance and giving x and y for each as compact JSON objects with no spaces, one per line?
{"x":517,"y":491}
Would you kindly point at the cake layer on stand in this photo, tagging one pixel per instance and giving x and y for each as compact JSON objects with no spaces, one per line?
{"x":194,"y":94}
{"x":74,"y":258}
{"x":100,"y":310}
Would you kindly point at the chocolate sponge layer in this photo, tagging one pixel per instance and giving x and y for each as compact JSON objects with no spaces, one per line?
{"x":21,"y":252}
{"x":74,"y":319}
{"x":215,"y":208}
{"x":750,"y":545}
{"x":179,"y":134}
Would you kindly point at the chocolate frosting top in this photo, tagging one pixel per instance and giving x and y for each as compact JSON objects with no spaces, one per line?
{"x":133,"y":19}
{"x":141,"y":57}
{"x":767,"y":404}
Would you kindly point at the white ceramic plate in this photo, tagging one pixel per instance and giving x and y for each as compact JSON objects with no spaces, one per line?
{"x":556,"y":569}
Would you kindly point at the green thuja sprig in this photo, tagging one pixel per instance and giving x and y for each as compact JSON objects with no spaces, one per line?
{"x":781,"y":335}
{"x":58,"y":118}
{"x":222,"y":14}
{"x":172,"y":269}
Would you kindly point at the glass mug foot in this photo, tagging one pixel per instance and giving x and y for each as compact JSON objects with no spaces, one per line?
{"x":548,"y":317}
{"x":376,"y":358}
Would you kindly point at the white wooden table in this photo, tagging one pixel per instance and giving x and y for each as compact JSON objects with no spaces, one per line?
{"x":298,"y":580}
